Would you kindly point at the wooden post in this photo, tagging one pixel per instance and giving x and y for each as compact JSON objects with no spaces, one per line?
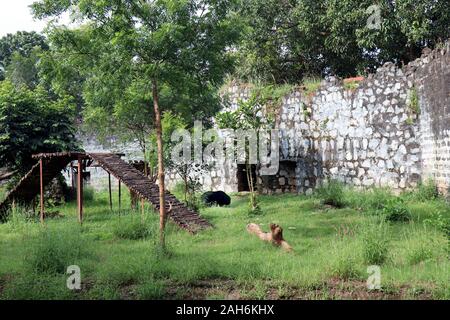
{"x":120,"y":195}
{"x":110,"y":192}
{"x":41,"y":176}
{"x":80,"y":190}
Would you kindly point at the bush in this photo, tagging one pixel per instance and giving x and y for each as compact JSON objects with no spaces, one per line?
{"x":396,"y":211}
{"x":332,"y":193}
{"x":53,"y":250}
{"x":132,"y":228}
{"x":345,"y":268}
{"x":427,"y":191}
{"x":375,"y":242}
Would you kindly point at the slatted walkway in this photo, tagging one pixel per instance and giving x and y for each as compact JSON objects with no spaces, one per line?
{"x":28,"y":188}
{"x":138,"y":183}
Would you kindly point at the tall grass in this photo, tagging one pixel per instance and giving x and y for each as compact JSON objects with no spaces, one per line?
{"x":134,"y":227}
{"x":55,"y":248}
{"x":375,"y":241}
{"x":332,"y":193}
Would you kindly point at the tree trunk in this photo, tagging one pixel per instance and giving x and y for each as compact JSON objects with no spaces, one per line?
{"x":162,"y":200}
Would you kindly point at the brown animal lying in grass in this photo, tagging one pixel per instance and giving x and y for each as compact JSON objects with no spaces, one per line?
{"x":275,"y":236}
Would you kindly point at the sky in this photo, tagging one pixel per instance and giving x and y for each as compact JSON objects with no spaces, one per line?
{"x":15,"y":15}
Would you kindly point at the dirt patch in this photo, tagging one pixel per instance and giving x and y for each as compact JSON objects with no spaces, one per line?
{"x":334,"y":289}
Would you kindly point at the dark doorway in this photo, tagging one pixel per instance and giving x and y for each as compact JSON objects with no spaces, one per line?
{"x":242,"y":179}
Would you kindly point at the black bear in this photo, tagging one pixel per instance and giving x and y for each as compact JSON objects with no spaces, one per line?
{"x":218,"y":198}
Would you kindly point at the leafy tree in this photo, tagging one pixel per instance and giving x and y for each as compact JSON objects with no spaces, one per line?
{"x":23,"y":71}
{"x":20,"y":43}
{"x":249,"y":115}
{"x":31,"y":122}
{"x":290,"y":39}
{"x":176,"y":48}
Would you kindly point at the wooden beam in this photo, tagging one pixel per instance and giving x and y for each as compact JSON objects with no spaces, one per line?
{"x":110,"y":191}
{"x":41,"y":177}
{"x":80,"y":189}
{"x":120,"y":195}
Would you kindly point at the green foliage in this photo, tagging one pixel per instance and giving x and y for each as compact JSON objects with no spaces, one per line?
{"x":132,"y":227}
{"x":23,"y":71}
{"x":375,"y":242}
{"x":170,"y":122}
{"x":414,"y":105}
{"x":21,"y":45}
{"x":226,"y":258}
{"x":395,"y":210}
{"x":33,"y":122}
{"x":271,"y":96}
{"x":372,"y":199}
{"x":151,"y":290}
{"x":128,"y":47}
{"x":351,"y":85}
{"x":250,"y":115}
{"x":55,"y":249}
{"x":423,"y":244}
{"x":310,"y":85}
{"x":284,"y":41}
{"x":427,"y":191}
{"x":438,"y":221}
{"x":332,"y":193}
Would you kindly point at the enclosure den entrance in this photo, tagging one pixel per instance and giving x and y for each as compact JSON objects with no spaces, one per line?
{"x":242,"y":177}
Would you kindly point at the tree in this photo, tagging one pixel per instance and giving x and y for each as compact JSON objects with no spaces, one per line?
{"x":21,"y":43}
{"x":250,"y":115}
{"x":32,"y":122}
{"x":287,"y":40}
{"x":176,"y":47}
{"x":23,"y":71}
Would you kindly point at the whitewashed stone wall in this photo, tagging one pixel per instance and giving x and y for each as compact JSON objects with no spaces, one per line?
{"x":368,"y":136}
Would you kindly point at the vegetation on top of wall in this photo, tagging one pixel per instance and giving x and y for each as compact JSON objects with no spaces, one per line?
{"x":351,"y":85}
{"x":310,"y":86}
{"x":272,"y":95}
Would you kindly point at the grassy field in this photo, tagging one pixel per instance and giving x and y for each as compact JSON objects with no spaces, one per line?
{"x":117,"y":255}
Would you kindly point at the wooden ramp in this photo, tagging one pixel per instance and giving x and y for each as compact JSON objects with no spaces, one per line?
{"x":29,"y":187}
{"x":138,"y":183}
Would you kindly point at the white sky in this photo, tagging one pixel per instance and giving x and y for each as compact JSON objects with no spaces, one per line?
{"x":15,"y":15}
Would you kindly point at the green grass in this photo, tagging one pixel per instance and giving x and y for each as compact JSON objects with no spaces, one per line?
{"x":2,"y":193}
{"x":311,"y":85}
{"x":117,"y":253}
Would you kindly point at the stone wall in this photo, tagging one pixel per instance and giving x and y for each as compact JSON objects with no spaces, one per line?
{"x":390,"y":129}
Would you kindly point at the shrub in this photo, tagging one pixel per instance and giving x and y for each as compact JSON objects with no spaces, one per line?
{"x":396,"y":211}
{"x":332,"y":193}
{"x":55,"y":249}
{"x":345,"y":268}
{"x":132,"y":228}
{"x":375,"y":242}
{"x":438,"y":222}
{"x":427,"y":190}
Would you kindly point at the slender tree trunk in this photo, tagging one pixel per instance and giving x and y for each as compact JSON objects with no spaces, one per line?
{"x":162,"y":197}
